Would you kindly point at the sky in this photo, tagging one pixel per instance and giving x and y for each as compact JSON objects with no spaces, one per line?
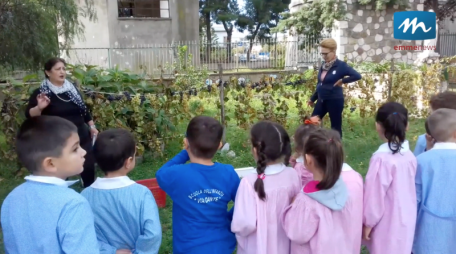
{"x":241,"y":4}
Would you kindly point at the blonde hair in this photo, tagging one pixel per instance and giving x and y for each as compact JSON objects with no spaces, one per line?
{"x":329,"y":44}
{"x":442,"y":124}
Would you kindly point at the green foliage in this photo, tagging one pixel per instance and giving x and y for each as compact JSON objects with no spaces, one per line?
{"x":382,"y":4}
{"x":313,"y":19}
{"x":31,"y":31}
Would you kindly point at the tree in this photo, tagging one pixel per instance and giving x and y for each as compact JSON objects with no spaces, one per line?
{"x":227,"y":13}
{"x":260,"y":16}
{"x":206,"y":10}
{"x":31,"y":31}
{"x":312,"y":20}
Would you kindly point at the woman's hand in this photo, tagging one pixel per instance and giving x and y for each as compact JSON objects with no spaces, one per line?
{"x":43,"y":101}
{"x":93,"y":131}
{"x":339,"y":83}
{"x":366,"y":233}
{"x":310,"y":103}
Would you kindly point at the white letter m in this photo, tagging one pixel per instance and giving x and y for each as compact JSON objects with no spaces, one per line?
{"x":407,"y":24}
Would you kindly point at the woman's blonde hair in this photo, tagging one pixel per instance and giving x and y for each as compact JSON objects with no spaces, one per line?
{"x":329,"y":44}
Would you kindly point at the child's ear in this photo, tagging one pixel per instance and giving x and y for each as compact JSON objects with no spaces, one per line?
{"x":186,"y":145}
{"x":220,"y":145}
{"x":49,"y":165}
{"x":130,"y":163}
{"x":407,"y":127}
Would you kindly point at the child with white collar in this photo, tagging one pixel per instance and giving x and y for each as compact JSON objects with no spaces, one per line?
{"x":435,"y":192}
{"x":389,"y":195}
{"x":262,"y":196}
{"x":43,"y":215}
{"x":126,"y":215}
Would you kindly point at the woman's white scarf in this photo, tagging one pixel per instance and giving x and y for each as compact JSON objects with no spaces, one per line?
{"x":67,"y":88}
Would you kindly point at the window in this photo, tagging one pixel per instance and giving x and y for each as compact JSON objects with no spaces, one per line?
{"x":143,"y":8}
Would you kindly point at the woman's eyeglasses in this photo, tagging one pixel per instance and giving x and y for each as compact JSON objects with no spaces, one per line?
{"x":324,"y":54}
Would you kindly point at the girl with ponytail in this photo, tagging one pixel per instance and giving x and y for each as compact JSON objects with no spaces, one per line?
{"x":261,"y":196}
{"x":324,"y":217}
{"x":390,"y":205}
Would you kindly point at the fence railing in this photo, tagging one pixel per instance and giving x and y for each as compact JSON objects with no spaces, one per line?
{"x":447,"y":44}
{"x":236,"y":56}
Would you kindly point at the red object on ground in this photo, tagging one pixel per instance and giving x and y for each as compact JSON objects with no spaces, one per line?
{"x":159,"y":194}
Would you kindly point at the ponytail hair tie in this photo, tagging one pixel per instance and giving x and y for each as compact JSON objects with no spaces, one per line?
{"x":395,"y":113}
{"x":262,"y":176}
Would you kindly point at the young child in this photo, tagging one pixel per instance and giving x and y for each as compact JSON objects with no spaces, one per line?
{"x":297,"y":162}
{"x":324,"y":218}
{"x":262,"y":196}
{"x":435,"y":192}
{"x":201,"y":191}
{"x":126,"y":215}
{"x":43,"y":215}
{"x":389,"y":196}
{"x":441,"y":100}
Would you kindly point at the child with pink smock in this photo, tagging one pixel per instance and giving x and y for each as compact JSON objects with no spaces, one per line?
{"x":390,"y":206}
{"x":326,"y":216}
{"x":262,"y":196}
{"x":297,"y":162}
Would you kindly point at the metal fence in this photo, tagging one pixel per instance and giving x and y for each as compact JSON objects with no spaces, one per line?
{"x":239,"y":56}
{"x":447,"y":44}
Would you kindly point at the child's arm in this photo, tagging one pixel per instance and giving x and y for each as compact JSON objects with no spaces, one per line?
{"x":151,"y":236}
{"x":299,"y":221}
{"x":418,"y":186}
{"x":378,"y":180}
{"x":76,"y":230}
{"x":170,"y":171}
{"x":244,"y":217}
{"x":236,"y":181}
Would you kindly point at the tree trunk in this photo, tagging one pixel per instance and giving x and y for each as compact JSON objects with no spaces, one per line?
{"x":252,"y":39}
{"x":207,"y":20}
{"x":228,"y":45}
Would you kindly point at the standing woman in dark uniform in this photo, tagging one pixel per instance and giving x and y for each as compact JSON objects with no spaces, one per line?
{"x":59,"y":97}
{"x":333,"y":74}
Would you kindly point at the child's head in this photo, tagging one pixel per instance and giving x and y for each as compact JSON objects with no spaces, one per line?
{"x":303,"y":132}
{"x":442,"y":125}
{"x":324,"y":156}
{"x":49,"y":146}
{"x":270,"y":145}
{"x":115,"y":150}
{"x":391,"y":124}
{"x":443,"y":100}
{"x":204,"y":136}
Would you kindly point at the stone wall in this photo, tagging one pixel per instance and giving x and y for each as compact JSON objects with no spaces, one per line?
{"x":367,"y":35}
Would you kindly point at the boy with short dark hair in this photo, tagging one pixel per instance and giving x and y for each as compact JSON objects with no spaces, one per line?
{"x":441,"y":100}
{"x":435,"y":192}
{"x":43,"y":215}
{"x":201,"y":191}
{"x":126,"y":215}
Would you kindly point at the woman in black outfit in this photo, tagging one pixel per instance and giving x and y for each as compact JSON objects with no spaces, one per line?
{"x":59,"y":97}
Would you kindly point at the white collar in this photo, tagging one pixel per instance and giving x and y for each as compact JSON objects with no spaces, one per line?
{"x":300,"y":159}
{"x":112,"y":183}
{"x":274,"y":169}
{"x":346,"y":167}
{"x":444,"y":145}
{"x":384,"y":148}
{"x":50,"y":180}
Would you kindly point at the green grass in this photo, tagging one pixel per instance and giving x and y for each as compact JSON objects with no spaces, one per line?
{"x":360,"y":141}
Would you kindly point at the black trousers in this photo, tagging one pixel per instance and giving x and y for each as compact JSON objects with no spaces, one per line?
{"x":334,"y":107}
{"x":88,"y":175}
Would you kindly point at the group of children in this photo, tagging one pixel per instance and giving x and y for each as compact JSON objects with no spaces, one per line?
{"x":318,"y":204}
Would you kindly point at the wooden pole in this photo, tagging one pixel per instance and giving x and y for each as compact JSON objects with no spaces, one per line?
{"x":390,"y":85}
{"x":222,"y":103}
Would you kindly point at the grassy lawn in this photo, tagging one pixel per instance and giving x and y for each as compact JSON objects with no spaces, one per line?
{"x":360,"y":141}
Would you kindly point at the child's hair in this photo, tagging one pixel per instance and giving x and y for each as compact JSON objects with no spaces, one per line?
{"x":204,"y":135}
{"x":442,"y":124}
{"x":272,"y":143}
{"x":393,"y":117}
{"x":443,"y":100}
{"x":112,"y":148}
{"x":303,"y":132}
{"x":41,"y":137}
{"x":326,"y":149}
{"x":426,"y":127}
